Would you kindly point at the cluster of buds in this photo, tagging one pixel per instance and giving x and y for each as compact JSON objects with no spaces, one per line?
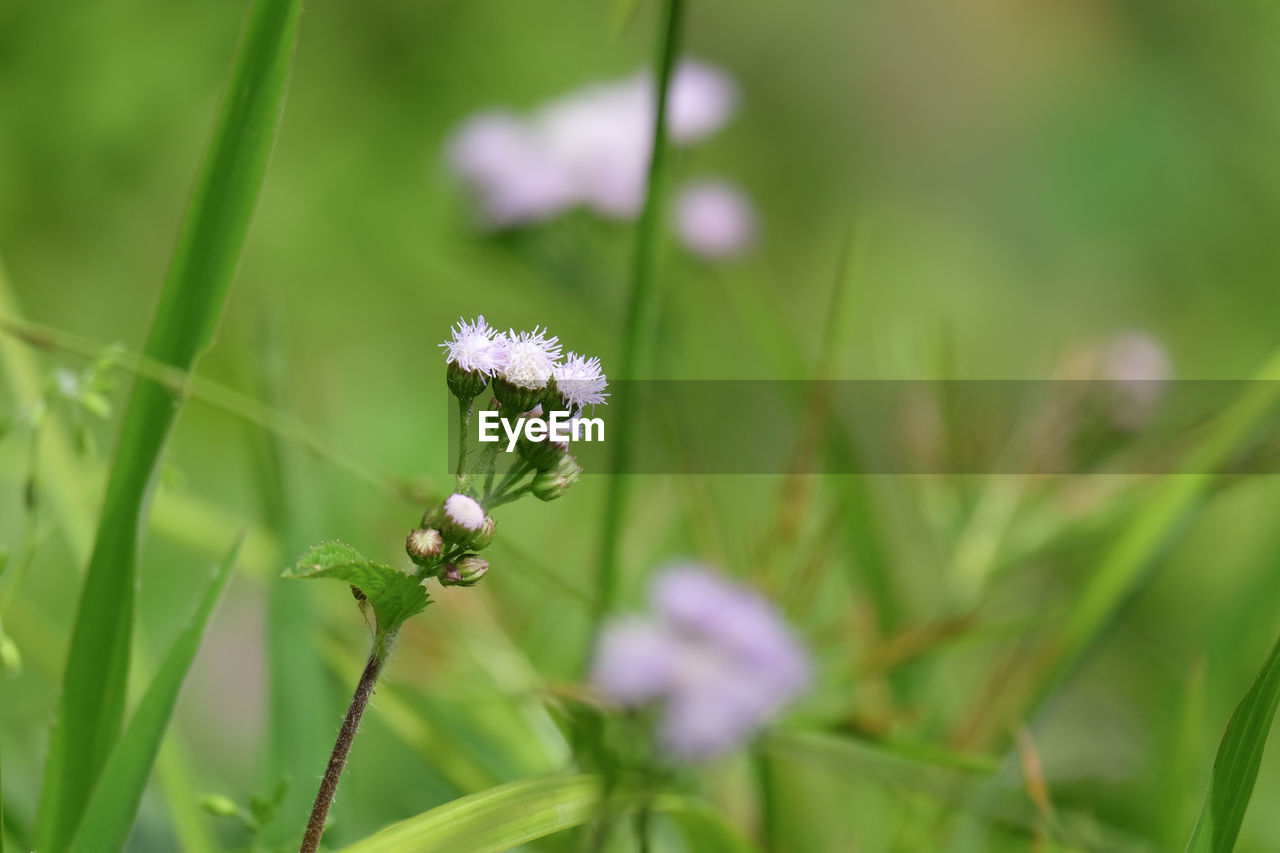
{"x":443,"y":544}
{"x":527,"y":375}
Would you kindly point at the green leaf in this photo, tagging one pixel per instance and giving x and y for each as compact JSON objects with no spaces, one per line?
{"x":394,"y":595}
{"x":91,"y":708}
{"x":518,"y":812}
{"x":115,"y":798}
{"x":1236,"y":767}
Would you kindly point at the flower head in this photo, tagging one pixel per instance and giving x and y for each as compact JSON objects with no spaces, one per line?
{"x":464,"y":512}
{"x":590,"y":148}
{"x":530,"y":358}
{"x":715,"y":657}
{"x":581,"y":381}
{"x":715,"y":220}
{"x":476,"y":347}
{"x":509,"y":170}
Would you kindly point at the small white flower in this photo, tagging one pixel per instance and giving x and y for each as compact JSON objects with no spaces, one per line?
{"x":581,"y":381}
{"x":464,"y":512}
{"x":715,"y":220}
{"x":476,"y":346}
{"x":531,"y":358}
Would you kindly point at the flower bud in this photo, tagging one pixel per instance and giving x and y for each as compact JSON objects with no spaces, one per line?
{"x":554,"y":482}
{"x":424,"y":545}
{"x":541,"y":454}
{"x":482,"y":537}
{"x":516,"y":398}
{"x":466,"y":385}
{"x":460,"y":518}
{"x":219,"y":805}
{"x":465,"y":572}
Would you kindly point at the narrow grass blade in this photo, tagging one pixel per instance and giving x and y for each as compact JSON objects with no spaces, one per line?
{"x":518,"y":812}
{"x":91,"y":709}
{"x":1236,"y":767}
{"x":642,"y":306}
{"x":114,"y":802}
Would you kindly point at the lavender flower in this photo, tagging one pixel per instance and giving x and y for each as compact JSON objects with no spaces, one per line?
{"x":531,"y":358}
{"x":714,"y":656}
{"x":476,"y":347}
{"x":589,"y":148}
{"x":715,"y":220}
{"x":581,"y":381}
{"x":1138,"y":366}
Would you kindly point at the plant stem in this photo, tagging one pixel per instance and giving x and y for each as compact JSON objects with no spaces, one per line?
{"x":342,"y":748}
{"x":464,"y":420}
{"x":638,"y":331}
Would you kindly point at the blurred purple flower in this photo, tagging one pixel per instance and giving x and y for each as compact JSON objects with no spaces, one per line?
{"x":589,"y":148}
{"x":1139,"y":366}
{"x":714,"y":219}
{"x":714,"y":656}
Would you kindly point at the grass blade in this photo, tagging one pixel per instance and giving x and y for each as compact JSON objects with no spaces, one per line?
{"x":518,"y":812}
{"x":115,"y":798}
{"x":91,"y":709}
{"x":640,"y":321}
{"x":1236,"y":767}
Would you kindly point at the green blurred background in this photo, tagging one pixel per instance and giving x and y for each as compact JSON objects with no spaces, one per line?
{"x":1023,"y":181}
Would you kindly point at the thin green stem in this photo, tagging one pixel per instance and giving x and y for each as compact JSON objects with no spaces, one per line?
{"x":498,"y":497}
{"x":346,"y":735}
{"x":464,"y":444}
{"x":638,"y":331}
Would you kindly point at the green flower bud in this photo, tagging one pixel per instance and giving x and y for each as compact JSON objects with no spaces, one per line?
{"x":467,"y":571}
{"x":424,"y":545}
{"x":482,"y":537}
{"x":219,"y":806}
{"x":516,"y":399}
{"x":461,"y":519}
{"x":466,"y":385}
{"x":540,"y":454}
{"x":554,"y":482}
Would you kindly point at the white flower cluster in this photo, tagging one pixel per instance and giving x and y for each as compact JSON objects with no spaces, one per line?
{"x":525,"y":360}
{"x":591,"y":149}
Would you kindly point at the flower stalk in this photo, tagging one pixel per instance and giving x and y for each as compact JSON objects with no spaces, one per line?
{"x":342,"y":747}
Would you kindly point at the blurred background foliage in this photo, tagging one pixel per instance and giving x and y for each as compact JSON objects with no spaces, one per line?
{"x":1022,"y":181}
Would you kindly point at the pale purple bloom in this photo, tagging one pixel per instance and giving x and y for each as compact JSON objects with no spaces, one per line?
{"x":715,"y":220}
{"x":476,"y":346}
{"x":581,"y":381}
{"x":702,"y":99}
{"x":589,"y":148}
{"x":531,"y":358}
{"x":714,"y":656}
{"x":464,"y":511}
{"x":509,"y":170}
{"x":1139,"y":366}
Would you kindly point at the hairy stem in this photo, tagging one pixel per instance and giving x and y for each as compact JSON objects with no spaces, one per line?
{"x":342,"y":748}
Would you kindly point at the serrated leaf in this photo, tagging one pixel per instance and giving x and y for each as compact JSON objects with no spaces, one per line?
{"x":114,"y":802}
{"x":394,"y":595}
{"x":1235,"y":769}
